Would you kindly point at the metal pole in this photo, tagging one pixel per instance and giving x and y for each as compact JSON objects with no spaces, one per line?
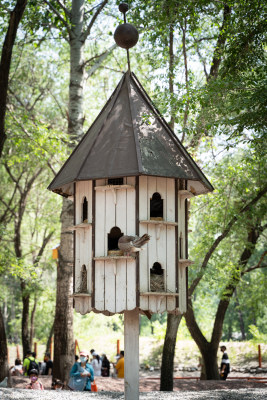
{"x":131,"y":354}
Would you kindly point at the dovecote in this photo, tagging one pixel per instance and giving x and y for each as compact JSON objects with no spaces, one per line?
{"x":130,"y":175}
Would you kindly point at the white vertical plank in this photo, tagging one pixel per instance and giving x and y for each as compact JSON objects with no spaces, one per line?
{"x":88,"y":193}
{"x":181,"y":219}
{"x":100,"y":285}
{"x":143,"y":202}
{"x":161,"y":304}
{"x":171,"y":267}
{"x":162,"y":257}
{"x":77,"y":262}
{"x":170,"y":200}
{"x":130,"y":210}
{"x":109,"y":215}
{"x":182,"y":289}
{"x":120,"y":210}
{"x":131,"y":360}
{"x":143,"y":255}
{"x":152,"y":248}
{"x":89,"y":260}
{"x":99,"y":223}
{"x":121,"y":286}
{"x":110,"y":286}
{"x":153,"y":304}
{"x":144,"y":303}
{"x":131,"y":284}
{"x":78,"y":203}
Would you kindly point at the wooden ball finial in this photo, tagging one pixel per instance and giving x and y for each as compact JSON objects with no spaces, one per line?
{"x":123,"y":7}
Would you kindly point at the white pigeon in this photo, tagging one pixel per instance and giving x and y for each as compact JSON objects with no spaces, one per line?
{"x":132,"y":244}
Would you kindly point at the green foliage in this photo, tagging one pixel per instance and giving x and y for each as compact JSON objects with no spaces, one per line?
{"x":258,"y":337}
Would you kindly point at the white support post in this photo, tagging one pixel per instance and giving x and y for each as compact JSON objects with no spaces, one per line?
{"x":131,"y":354}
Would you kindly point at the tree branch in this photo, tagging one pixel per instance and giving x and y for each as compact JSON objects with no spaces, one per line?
{"x":216,"y":243}
{"x":89,"y":27}
{"x":217,"y":56}
{"x":259,"y":265}
{"x":59,"y":16}
{"x":15,"y":18}
{"x":42,"y":248}
{"x":66,"y":11}
{"x":101,"y":58}
{"x":253,"y":236}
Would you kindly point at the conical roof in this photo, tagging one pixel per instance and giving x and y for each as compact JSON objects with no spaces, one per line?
{"x":129,"y":138}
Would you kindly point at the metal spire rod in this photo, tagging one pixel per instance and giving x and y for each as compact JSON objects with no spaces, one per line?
{"x":126,"y":35}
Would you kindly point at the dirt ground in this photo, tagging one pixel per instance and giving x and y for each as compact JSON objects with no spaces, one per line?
{"x":152,"y":383}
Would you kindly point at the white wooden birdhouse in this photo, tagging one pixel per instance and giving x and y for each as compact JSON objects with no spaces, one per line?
{"x":130,"y":175}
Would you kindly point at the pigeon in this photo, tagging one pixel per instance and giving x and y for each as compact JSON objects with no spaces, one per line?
{"x":132,"y":244}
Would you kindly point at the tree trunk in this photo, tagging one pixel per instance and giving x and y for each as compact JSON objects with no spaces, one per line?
{"x":240,"y":316}
{"x":63,"y":325}
{"x":32,"y":320}
{"x":209,"y":354}
{"x":48,"y":343}
{"x":207,"y":350}
{"x":3,"y":349}
{"x":25,"y":319}
{"x":76,"y":117}
{"x":14,"y":20}
{"x":166,"y":378}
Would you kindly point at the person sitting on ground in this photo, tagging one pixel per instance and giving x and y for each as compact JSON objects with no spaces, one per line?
{"x":225,"y":364}
{"x":17,"y":369}
{"x":57,"y":385}
{"x":29,"y":363}
{"x":96,"y":364}
{"x":120,"y":365}
{"x":48,"y":364}
{"x":34,"y":384}
{"x":84,"y":370}
{"x":105,"y":365}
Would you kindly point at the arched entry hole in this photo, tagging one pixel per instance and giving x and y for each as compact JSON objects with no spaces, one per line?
{"x":113,"y":237}
{"x":83,"y":285}
{"x":156,"y":206}
{"x":85,"y":210}
{"x":157,"y":278}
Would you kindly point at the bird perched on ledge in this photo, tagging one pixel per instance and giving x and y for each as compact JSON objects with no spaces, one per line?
{"x":132,"y":244}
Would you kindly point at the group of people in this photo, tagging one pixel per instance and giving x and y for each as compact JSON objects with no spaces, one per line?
{"x":30,"y":363}
{"x":83,"y":372}
{"x":32,"y":368}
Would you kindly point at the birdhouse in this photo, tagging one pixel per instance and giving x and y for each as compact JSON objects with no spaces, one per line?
{"x":130,"y":176}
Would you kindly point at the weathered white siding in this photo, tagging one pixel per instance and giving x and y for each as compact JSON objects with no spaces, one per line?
{"x":83,"y":241}
{"x":161,"y":247}
{"x":115,"y":279}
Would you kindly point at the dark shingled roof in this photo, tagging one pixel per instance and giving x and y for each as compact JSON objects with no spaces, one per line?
{"x":128,"y":138}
